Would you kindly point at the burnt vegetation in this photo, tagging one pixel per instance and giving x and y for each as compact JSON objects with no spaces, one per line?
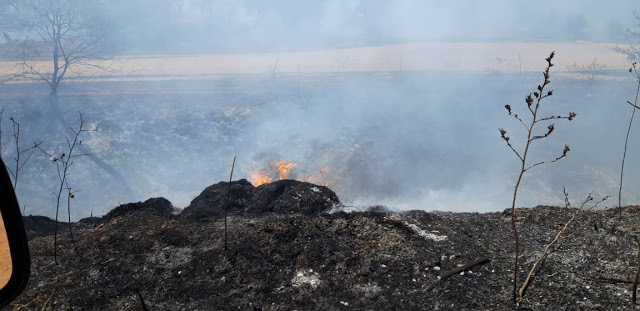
{"x":363,"y":260}
{"x":290,"y":244}
{"x":293,"y":245}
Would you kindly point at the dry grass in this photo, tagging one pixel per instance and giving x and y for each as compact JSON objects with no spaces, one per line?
{"x":462,"y":56}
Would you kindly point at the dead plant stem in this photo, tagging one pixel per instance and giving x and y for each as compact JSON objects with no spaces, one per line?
{"x":624,"y":154}
{"x":635,"y":278}
{"x":226,"y":208}
{"x":547,"y":248}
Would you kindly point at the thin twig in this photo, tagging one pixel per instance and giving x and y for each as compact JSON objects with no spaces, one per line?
{"x":626,"y":141}
{"x":142,"y":304}
{"x":635,"y":278}
{"x":226,"y":208}
{"x":15,"y":173}
{"x":547,"y":248}
{"x":460,"y":269}
{"x":579,"y":229}
{"x":546,"y":162}
{"x":613,"y":280}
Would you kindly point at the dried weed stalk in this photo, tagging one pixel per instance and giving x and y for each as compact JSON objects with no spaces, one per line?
{"x":226,"y":207}
{"x":63,"y":163}
{"x":634,"y":72}
{"x":533,"y":101}
{"x":637,"y":275}
{"x":560,"y":235}
{"x":18,"y":159}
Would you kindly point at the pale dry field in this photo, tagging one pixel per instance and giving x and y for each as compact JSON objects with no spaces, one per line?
{"x":463,"y":56}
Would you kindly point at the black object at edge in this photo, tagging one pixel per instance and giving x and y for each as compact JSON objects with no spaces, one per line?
{"x":14,"y":227}
{"x":144,"y":306}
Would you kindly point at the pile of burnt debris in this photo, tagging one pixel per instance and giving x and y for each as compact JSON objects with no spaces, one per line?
{"x":287,"y":247}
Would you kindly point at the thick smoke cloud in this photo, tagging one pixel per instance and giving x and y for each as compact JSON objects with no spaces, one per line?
{"x":257,"y":26}
{"x":406,"y":138}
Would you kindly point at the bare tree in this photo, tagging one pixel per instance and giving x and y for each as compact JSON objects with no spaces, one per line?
{"x":73,"y":42}
{"x":70,"y":38}
{"x":632,"y":36}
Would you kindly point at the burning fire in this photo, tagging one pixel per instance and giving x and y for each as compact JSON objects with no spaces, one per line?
{"x":260,"y":178}
{"x":283,"y":170}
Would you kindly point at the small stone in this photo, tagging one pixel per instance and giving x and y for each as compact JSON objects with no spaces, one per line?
{"x":436,"y":268}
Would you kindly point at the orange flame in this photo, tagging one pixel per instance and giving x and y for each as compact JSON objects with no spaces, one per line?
{"x":284,"y":169}
{"x":260,"y":178}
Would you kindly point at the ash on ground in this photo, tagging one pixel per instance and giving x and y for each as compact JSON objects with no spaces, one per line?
{"x":286,"y":252}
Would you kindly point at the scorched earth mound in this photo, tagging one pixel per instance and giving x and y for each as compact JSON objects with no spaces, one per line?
{"x":287,"y":252}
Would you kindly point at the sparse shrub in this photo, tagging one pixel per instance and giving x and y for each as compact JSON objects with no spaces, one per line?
{"x":563,"y":233}
{"x":18,"y":159}
{"x":589,"y":71}
{"x":63,"y":162}
{"x":533,"y":102}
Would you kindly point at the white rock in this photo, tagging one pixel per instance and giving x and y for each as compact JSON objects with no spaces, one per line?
{"x":306,"y":277}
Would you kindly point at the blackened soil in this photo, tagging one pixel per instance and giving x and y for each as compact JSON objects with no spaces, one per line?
{"x":339,"y":261}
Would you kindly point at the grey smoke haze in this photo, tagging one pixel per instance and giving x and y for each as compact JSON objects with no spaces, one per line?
{"x":407,"y":139}
{"x":257,"y":26}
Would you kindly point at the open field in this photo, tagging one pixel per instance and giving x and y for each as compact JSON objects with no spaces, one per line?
{"x":463,"y":56}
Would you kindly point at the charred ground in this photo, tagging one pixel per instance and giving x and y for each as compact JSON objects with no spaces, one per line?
{"x":280,"y":259}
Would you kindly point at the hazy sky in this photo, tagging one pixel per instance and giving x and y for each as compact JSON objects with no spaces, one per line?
{"x":249,"y":25}
{"x":166,"y":26}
